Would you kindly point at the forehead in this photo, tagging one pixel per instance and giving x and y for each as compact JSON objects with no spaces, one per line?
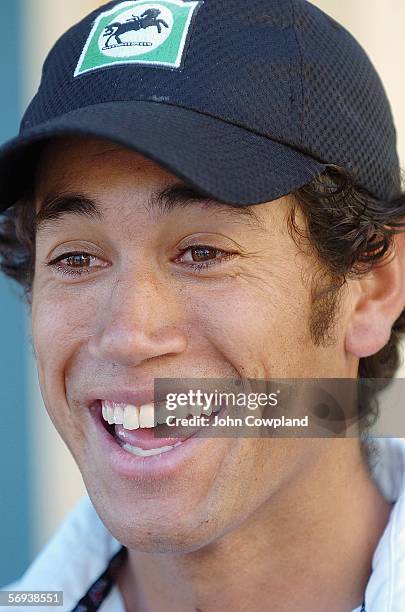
{"x":75,"y":160}
{"x":87,"y":176}
{"x":102,"y":172}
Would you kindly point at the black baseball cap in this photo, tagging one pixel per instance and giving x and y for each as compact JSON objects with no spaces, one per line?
{"x":246,"y":101}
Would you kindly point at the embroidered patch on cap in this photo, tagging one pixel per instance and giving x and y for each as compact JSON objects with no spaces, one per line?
{"x":139,"y":32}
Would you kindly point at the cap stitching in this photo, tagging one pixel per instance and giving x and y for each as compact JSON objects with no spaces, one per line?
{"x":301,"y":72}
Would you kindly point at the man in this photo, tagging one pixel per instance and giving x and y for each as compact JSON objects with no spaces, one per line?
{"x":212,"y":201}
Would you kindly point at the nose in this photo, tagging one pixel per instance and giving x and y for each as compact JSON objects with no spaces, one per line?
{"x":139,"y":320}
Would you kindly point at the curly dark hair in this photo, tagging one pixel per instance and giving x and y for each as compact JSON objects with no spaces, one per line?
{"x":346,"y":229}
{"x":349,"y":232}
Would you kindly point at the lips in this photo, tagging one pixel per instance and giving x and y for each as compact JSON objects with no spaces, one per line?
{"x":146,"y":438}
{"x":146,"y":465}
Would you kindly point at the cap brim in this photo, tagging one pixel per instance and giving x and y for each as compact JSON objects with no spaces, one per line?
{"x":227,"y":162}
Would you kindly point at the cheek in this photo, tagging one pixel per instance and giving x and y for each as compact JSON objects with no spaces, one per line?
{"x":262,"y":329}
{"x":60,"y":319}
{"x":58,"y":325}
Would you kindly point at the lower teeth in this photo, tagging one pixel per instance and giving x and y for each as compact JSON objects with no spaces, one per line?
{"x":140,"y":452}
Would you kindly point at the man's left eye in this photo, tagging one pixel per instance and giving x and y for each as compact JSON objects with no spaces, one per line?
{"x":200,"y":257}
{"x":200,"y":253}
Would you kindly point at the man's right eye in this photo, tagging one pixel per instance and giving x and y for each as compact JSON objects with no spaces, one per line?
{"x":76,"y":263}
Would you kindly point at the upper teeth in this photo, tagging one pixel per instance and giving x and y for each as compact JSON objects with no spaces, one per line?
{"x":133,"y":417}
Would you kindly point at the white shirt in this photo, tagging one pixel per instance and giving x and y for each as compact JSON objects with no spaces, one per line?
{"x":81,"y":548}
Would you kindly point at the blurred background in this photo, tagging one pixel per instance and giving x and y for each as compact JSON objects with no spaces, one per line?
{"x":39,"y":482}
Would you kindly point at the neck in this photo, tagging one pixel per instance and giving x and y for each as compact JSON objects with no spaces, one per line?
{"x":307,"y":548}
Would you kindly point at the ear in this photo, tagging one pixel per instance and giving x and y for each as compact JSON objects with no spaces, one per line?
{"x":378,"y":300}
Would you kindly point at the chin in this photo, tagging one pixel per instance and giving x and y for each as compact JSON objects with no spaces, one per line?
{"x":156,"y":532}
{"x":163,"y":537}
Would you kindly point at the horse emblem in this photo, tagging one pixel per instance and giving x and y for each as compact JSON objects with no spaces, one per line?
{"x":148,"y":19}
{"x":152,"y":33}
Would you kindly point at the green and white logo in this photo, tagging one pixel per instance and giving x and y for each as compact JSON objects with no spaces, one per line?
{"x":139,"y":32}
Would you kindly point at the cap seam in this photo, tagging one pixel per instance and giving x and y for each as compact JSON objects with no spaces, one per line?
{"x":287,"y":42}
{"x":301,"y":55}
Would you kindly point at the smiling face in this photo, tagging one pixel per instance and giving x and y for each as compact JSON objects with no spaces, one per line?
{"x":164,"y":287}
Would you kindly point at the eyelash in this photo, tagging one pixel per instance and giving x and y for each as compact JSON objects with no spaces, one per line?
{"x":67,"y":270}
{"x":198,"y":267}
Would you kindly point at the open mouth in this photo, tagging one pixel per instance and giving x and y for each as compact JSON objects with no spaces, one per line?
{"x":144,"y":431}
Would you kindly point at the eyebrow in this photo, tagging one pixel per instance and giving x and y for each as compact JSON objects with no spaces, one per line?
{"x":179,"y":195}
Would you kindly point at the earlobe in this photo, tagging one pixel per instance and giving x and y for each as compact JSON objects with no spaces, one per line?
{"x":364,"y":338}
{"x":379,"y":301}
